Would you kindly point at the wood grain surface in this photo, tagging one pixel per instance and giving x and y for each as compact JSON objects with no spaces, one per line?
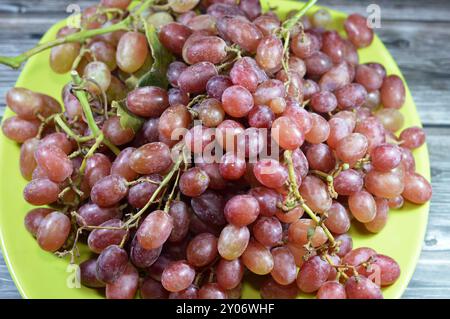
{"x":417,"y":33}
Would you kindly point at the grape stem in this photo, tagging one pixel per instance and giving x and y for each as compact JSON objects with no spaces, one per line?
{"x":82,"y":97}
{"x":164,"y":182}
{"x":69,"y":132}
{"x":289,"y":24}
{"x":17,"y":61}
{"x":299,"y":199}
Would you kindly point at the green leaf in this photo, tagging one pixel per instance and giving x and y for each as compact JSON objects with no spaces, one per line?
{"x":162,"y":58}
{"x":127,"y":119}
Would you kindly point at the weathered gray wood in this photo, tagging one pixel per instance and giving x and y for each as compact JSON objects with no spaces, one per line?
{"x":415,"y":32}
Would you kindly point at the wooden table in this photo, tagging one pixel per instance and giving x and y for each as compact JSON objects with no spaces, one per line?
{"x":417,"y":33}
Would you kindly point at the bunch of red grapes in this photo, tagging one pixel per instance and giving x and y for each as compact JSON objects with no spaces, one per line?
{"x":184,"y":227}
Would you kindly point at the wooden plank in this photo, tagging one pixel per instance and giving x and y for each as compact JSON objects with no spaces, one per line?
{"x":432,"y":10}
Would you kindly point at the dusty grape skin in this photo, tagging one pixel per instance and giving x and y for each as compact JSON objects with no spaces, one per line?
{"x":393,"y":92}
{"x":373,"y":130}
{"x":315,"y":192}
{"x":357,"y":30}
{"x":202,"y":250}
{"x":217,"y":85}
{"x":337,"y":77}
{"x":318,"y":64}
{"x":212,"y":291}
{"x":109,"y":191}
{"x":229,"y":273}
{"x":241,"y":210}
{"x":190,"y":292}
{"x":338,"y":220}
{"x":20,"y":130}
{"x":302,"y":118}
{"x":151,"y":158}
{"x":54,"y":162}
{"x":209,"y":208}
{"x":273,"y":290}
{"x":320,"y":130}
{"x":352,"y":148}
{"x":93,"y":215}
{"x":62,"y":57}
{"x":132,"y":51}
{"x":287,"y":134}
{"x":358,"y":256}
{"x":125,"y":287}
{"x":99,"y":239}
{"x":362,"y":206}
{"x":284,"y":270}
{"x":386,"y":185}
{"x":143,"y":258}
{"x":181,"y":220}
{"x":149,"y":101}
{"x":25,"y":103}
{"x":305,"y":45}
{"x":380,"y":220}
{"x":233,"y":241}
{"x":237,"y":101}
{"x":121,"y":165}
{"x":241,"y":32}
{"x":269,"y":90}
{"x":155,"y":230}
{"x":298,"y":233}
{"x":368,"y":77}
{"x":211,"y":113}
{"x":258,"y":258}
{"x":348,"y":182}
{"x":269,"y":53}
{"x":194,"y":182}
{"x":27,"y":160}
{"x":389,"y":270}
{"x":267,"y":23}
{"x":320,"y":157}
{"x":173,"y":36}
{"x":267,"y":199}
{"x":53,"y":231}
{"x":268,"y":231}
{"x":34,"y":218}
{"x":177,"y":276}
{"x":88,"y":274}
{"x":386,"y":157}
{"x":270,"y":173}
{"x":351,"y":96}
{"x":114,"y":131}
{"x":331,"y":290}
{"x":111,"y":264}
{"x":417,"y":189}
{"x":195,"y":77}
{"x":358,"y":287}
{"x":152,"y":289}
{"x":313,"y":274}
{"x":205,"y":49}
{"x":41,"y":191}
{"x":412,"y":137}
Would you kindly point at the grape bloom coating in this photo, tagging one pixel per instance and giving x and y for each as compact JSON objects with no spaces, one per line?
{"x":200,"y":141}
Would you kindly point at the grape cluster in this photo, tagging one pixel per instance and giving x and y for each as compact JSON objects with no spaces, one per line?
{"x":174,"y":225}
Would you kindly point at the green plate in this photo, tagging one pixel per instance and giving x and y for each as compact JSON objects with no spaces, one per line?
{"x":39,"y":274}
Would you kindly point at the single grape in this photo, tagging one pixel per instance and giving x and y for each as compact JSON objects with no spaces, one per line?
{"x":358,"y":287}
{"x":393,"y":92}
{"x":109,"y":191}
{"x":212,"y":291}
{"x":287,"y":134}
{"x":320,"y":157}
{"x":241,"y":210}
{"x":143,"y":258}
{"x":362,"y":206}
{"x":284,"y":270}
{"x":270,"y":289}
{"x":315,"y":193}
{"x":194,"y":182}
{"x":148,"y":101}
{"x":151,"y":158}
{"x":338,"y":220}
{"x":111,"y":264}
{"x":88,"y":274}
{"x":155,"y":230}
{"x":125,"y":286}
{"x":237,"y":101}
{"x":121,"y":165}
{"x":351,"y":96}
{"x":195,"y":78}
{"x":202,"y":250}
{"x":269,"y":53}
{"x":177,"y":276}
{"x":34,"y":218}
{"x":348,"y":182}
{"x":304,"y":230}
{"x":258,"y":258}
{"x":320,"y":129}
{"x":63,"y":56}
{"x":384,"y":185}
{"x":112,"y":233}
{"x":116,"y":133}
{"x":270,"y":173}
{"x":412,"y":137}
{"x":209,"y":208}
{"x":352,"y":148}
{"x":313,"y":274}
{"x":233,"y":242}
{"x":385,"y":270}
{"x":305,"y":44}
{"x":41,"y":191}
{"x":53,"y":231}
{"x":380,"y":220}
{"x":331,"y":290}
{"x":417,"y":189}
{"x":268,"y":231}
{"x":132,"y":50}
{"x":152,"y":289}
{"x":20,"y":130}
{"x":91,"y":214}
{"x":358,"y":31}
{"x":229,"y":274}
{"x":337,"y":77}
